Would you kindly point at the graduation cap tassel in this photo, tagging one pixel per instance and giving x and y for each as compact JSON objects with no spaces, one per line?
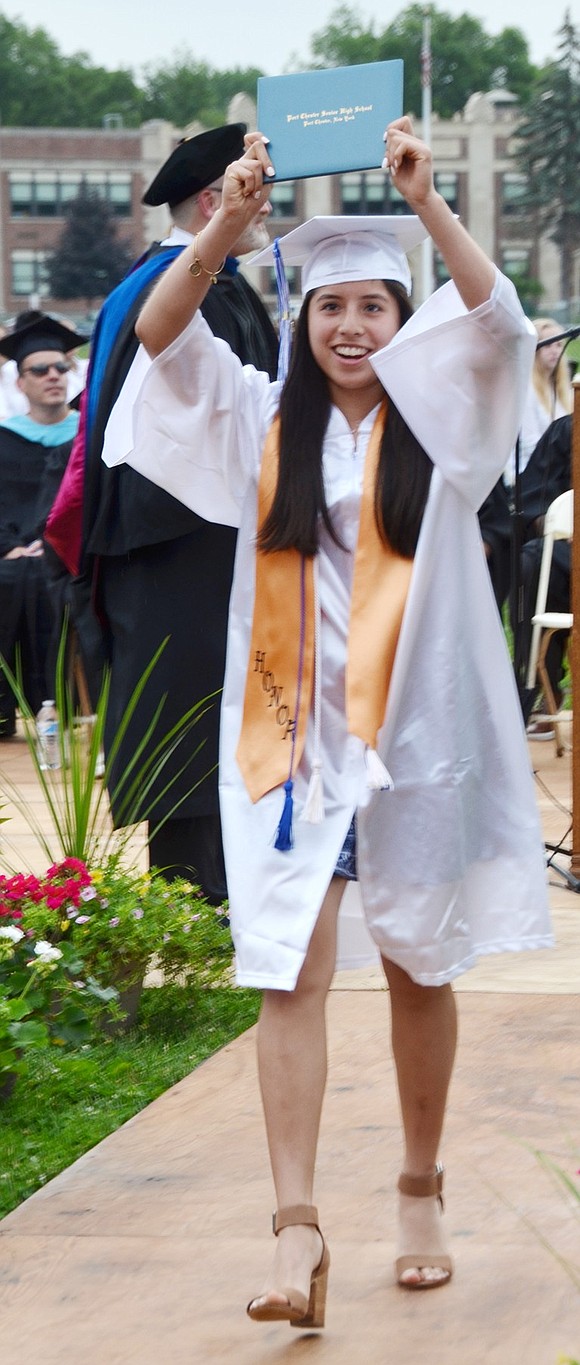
{"x":284,"y":836}
{"x":284,"y":315}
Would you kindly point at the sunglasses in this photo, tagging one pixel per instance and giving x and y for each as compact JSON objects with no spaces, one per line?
{"x":39,"y":371}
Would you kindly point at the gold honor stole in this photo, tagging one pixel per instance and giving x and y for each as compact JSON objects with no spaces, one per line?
{"x":280,"y":675}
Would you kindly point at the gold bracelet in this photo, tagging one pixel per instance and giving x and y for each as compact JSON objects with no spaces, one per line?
{"x":196,"y":268}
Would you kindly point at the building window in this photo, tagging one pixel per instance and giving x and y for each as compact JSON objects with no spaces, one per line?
{"x":513,"y":193}
{"x":446,"y":183}
{"x":291,"y":272}
{"x":370,"y":192}
{"x":29,"y":273}
{"x":440,"y":271}
{"x":119,"y":195}
{"x":283,"y":200}
{"x":47,"y":196}
{"x":516,"y":263}
{"x":69,"y":189}
{"x":21,"y":196}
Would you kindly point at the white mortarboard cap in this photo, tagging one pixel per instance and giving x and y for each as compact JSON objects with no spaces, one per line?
{"x":334,"y":250}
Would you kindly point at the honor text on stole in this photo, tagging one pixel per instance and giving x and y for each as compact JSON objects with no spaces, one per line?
{"x":274,"y":691}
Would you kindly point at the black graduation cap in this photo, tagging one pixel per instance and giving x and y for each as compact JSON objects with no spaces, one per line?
{"x":194,"y":163}
{"x":45,"y":334}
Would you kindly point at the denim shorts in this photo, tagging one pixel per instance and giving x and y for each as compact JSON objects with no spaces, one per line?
{"x":346,"y":862}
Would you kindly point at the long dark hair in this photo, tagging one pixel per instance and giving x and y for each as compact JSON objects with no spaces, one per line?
{"x":299,"y":503}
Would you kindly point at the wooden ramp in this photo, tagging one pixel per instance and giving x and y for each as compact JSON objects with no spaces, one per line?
{"x":147,"y":1249}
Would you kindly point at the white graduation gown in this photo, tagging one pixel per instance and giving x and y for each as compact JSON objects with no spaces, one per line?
{"x":451,"y":862}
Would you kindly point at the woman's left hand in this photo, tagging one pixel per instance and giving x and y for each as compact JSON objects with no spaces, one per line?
{"x":409,"y":161}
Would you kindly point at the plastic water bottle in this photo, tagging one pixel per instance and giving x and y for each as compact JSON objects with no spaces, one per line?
{"x":48,"y":747}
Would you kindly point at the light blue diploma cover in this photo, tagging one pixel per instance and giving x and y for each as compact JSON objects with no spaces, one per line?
{"x":324,"y":122}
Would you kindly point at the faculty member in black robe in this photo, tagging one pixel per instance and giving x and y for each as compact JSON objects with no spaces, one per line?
{"x":159,"y":570}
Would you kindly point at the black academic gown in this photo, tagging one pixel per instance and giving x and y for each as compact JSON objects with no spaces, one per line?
{"x":495,"y":526}
{"x":547,"y":474}
{"x":30,"y":614}
{"x":161,"y":571}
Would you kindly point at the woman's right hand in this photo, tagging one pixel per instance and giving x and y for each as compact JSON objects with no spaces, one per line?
{"x":181,"y":289}
{"x":244,"y":191}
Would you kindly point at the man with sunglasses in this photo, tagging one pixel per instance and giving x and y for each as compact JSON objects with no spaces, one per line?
{"x":34,"y":449}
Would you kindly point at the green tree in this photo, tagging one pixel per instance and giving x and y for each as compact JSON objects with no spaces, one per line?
{"x":41,"y":88}
{"x":89,"y":259}
{"x":345,"y":41}
{"x":547,"y":155}
{"x":464,"y":57}
{"x":184,"y":90}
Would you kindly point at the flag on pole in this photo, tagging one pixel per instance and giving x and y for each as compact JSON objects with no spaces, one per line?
{"x":426,"y":129}
{"x":426,"y":63}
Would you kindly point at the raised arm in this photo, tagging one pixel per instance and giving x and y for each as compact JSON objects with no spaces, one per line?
{"x":182,"y":289}
{"x":409,"y":162}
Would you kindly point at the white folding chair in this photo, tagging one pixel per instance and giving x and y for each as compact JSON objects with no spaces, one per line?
{"x":558,"y":525}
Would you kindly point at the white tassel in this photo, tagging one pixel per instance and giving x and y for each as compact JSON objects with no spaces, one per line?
{"x":378,"y":777}
{"x":313,"y":812}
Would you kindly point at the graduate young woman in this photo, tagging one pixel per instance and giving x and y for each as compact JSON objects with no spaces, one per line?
{"x":370,"y":724}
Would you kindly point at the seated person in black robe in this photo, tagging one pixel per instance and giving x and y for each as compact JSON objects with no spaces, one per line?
{"x":495,"y":526}
{"x":34,"y":449}
{"x":547,"y":474}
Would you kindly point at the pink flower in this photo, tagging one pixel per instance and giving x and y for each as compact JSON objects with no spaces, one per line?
{"x":83,"y":919}
{"x":114,"y":921}
{"x":138,"y":913}
{"x":55,"y":898}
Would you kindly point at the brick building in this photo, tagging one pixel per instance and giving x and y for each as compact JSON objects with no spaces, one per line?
{"x":41,"y":170}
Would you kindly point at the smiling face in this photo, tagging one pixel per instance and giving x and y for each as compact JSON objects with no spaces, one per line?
{"x":347,"y":323}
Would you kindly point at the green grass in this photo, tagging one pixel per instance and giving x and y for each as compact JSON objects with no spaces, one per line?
{"x":67,"y":1102}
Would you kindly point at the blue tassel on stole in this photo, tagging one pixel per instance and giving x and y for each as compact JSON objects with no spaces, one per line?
{"x":284,"y":839}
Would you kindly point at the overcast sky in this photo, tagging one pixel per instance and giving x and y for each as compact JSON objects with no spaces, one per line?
{"x":261,"y":33}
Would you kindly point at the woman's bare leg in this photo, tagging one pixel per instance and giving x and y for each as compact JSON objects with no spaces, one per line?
{"x":292,"y":1069}
{"x":424,"y":1039}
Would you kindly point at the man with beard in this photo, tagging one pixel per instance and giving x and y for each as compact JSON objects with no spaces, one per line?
{"x":159,"y":572}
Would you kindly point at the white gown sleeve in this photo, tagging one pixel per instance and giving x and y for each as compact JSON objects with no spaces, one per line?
{"x":199,"y":418}
{"x":460,"y":379}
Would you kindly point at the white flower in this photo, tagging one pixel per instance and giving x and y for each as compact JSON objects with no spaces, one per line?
{"x":88,"y":893}
{"x":45,"y":952}
{"x":12,"y":933}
